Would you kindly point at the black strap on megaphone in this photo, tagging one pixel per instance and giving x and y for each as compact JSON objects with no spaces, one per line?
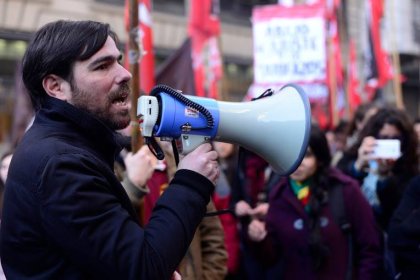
{"x":188,"y":102}
{"x":151,"y":141}
{"x":154,"y":147}
{"x":266,"y":93}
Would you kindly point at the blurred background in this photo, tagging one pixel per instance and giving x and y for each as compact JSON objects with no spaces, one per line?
{"x":399,"y":29}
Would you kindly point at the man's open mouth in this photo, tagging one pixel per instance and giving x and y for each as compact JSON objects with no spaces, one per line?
{"x":121,"y":99}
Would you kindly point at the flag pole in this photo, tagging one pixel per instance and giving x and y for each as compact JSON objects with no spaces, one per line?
{"x":333,"y":82}
{"x":345,"y":53}
{"x":133,"y":58}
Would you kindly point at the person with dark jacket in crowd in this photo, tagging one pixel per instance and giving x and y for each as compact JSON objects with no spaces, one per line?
{"x":306,"y":235}
{"x":404,"y":232}
{"x":66,"y":215}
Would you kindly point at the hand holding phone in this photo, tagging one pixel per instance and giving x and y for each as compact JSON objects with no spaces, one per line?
{"x":387,"y":149}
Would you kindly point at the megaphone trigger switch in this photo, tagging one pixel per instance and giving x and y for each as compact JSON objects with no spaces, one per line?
{"x":186,"y":127}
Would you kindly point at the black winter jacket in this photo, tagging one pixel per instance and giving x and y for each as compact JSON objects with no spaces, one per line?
{"x":404,"y":232}
{"x":66,"y":216}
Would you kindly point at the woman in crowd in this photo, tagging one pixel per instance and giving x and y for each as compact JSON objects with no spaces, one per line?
{"x":383,"y":180}
{"x":318,"y":222}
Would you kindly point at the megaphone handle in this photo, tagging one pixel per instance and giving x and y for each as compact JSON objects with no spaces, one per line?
{"x":154,"y":147}
{"x":190,"y":142}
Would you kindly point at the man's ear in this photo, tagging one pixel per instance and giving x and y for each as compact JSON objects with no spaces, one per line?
{"x":56,"y":87}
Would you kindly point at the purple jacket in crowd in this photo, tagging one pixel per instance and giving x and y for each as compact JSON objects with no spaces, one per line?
{"x":288,"y":234}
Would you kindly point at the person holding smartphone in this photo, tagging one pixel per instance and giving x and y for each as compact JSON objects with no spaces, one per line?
{"x":383,"y":179}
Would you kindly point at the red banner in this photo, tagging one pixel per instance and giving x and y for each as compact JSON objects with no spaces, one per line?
{"x":381,"y":70}
{"x":203,"y":29}
{"x":147,"y":62}
{"x":354,"y":94}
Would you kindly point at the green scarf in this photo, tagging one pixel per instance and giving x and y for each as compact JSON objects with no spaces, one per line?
{"x":302,"y":192}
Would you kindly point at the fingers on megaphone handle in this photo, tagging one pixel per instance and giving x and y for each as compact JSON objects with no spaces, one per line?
{"x":202,"y":160}
{"x":205,"y":147}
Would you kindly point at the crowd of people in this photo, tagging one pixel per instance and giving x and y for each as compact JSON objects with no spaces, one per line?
{"x":79,"y":203}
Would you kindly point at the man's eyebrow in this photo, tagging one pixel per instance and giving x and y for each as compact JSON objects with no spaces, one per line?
{"x":102,"y":59}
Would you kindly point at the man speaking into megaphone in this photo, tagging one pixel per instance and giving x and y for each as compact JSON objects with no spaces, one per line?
{"x":65,"y":213}
{"x":276,"y":126}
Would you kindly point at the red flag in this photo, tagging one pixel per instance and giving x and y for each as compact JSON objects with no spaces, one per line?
{"x":203,"y":28}
{"x":354,"y":95}
{"x":381,"y":71}
{"x":204,"y":18}
{"x":147,"y":63}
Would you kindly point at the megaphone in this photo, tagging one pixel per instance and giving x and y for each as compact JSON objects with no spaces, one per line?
{"x":275,"y":127}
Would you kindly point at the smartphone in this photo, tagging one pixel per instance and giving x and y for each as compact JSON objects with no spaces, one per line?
{"x":387,"y":149}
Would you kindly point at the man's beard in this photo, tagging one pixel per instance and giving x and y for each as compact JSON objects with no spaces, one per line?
{"x":83,"y":101}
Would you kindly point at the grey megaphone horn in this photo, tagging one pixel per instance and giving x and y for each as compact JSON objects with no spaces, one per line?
{"x":275,"y":127}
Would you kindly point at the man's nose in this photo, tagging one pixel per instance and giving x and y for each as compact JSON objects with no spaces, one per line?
{"x":124,"y":75}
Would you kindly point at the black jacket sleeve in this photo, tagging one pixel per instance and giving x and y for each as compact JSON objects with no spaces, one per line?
{"x":85,"y":219}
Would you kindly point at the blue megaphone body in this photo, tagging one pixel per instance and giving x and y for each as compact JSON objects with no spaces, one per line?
{"x":275,"y":127}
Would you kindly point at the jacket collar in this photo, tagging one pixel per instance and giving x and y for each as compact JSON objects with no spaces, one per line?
{"x":65,"y":116}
